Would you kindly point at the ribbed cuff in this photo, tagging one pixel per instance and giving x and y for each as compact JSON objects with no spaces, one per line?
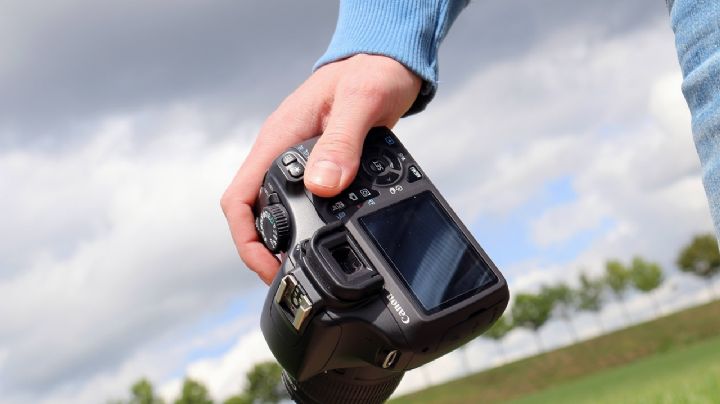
{"x":408,"y":31}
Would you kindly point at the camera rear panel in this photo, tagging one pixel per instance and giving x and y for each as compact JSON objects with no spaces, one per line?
{"x":389,"y":242}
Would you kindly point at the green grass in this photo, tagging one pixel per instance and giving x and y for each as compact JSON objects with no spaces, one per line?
{"x":614,"y":368}
{"x":685,"y":375}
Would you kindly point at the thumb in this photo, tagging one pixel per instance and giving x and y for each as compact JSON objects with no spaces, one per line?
{"x":335,"y":159}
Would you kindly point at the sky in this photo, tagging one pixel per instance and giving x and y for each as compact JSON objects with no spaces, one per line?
{"x":559,"y":134}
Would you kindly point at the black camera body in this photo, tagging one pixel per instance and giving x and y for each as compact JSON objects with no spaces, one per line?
{"x":379,"y":280}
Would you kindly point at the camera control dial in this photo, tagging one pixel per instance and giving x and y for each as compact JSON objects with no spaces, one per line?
{"x":274,"y":227}
{"x":382,"y":165}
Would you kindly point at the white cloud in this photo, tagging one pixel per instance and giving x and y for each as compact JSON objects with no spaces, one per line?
{"x":606,"y":113}
{"x":542,"y":115}
{"x":562,"y":222}
{"x":225,"y":376}
{"x":113,"y":245}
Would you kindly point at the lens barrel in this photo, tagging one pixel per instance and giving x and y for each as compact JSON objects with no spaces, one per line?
{"x":344,"y":386}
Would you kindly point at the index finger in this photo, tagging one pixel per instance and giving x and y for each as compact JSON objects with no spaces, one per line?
{"x":286,"y":127}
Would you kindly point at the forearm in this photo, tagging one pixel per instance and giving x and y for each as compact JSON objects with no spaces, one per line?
{"x":697,"y":38}
{"x":409,"y":31}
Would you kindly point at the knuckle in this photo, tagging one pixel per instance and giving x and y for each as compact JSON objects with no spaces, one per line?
{"x":230,"y":204}
{"x":244,"y":254}
{"x":245,"y":258}
{"x":225,"y":202}
{"x":274,"y":121}
{"x":371,"y":93}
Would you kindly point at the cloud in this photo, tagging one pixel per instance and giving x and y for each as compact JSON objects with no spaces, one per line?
{"x":63,"y":69}
{"x":506,"y":117}
{"x":563,"y":222}
{"x":491,"y":32}
{"x":605,"y":112}
{"x":157,"y":359}
{"x":224,"y":376}
{"x":133,"y":246}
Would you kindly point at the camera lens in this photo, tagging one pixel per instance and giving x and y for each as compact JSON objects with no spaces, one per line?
{"x":365,"y":385}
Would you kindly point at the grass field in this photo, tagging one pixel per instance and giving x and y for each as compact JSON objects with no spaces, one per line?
{"x":685,"y":375}
{"x":674,"y":359}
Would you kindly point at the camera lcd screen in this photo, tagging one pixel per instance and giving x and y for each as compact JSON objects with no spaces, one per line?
{"x":428,"y":251}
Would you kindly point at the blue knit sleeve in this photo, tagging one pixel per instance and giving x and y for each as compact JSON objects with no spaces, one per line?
{"x":409,"y":31}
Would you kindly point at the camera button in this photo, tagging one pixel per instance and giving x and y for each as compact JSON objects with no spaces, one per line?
{"x":387,"y":179}
{"x":296,"y":170}
{"x":373,"y":162}
{"x":414,"y":174}
{"x":265,"y":198}
{"x":288,"y":158}
{"x":366,"y":193}
{"x":393,"y":159}
{"x":337,"y":206}
{"x":377,"y":166}
{"x":353,"y":197}
{"x":390,"y":140}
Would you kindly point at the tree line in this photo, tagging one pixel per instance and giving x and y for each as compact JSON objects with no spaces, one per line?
{"x":700,"y":257}
{"x":263,"y":386}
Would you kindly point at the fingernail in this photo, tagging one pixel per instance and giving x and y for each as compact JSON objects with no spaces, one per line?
{"x":326,"y":174}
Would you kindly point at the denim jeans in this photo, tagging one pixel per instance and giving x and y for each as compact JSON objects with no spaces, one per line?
{"x":697,"y":37}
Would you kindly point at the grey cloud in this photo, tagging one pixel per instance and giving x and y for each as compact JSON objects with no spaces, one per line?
{"x":79,"y":60}
{"x":85,"y":59}
{"x":492,"y":31}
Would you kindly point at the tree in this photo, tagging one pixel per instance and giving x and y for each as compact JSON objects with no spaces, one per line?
{"x":142,"y":392}
{"x":497,"y":332}
{"x":563,"y":303}
{"x":263,"y":385}
{"x":702,"y":258}
{"x":590,"y":297}
{"x":532,"y":312}
{"x":239,"y":399}
{"x":646,"y":276}
{"x":193,"y":392}
{"x":617,"y":278}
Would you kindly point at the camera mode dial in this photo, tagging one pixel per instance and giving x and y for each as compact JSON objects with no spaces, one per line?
{"x":274,"y":227}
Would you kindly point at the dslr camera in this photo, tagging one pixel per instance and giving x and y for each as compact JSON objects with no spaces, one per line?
{"x":379,"y":280}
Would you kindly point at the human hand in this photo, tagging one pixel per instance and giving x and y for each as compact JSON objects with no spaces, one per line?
{"x":342,"y":101}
